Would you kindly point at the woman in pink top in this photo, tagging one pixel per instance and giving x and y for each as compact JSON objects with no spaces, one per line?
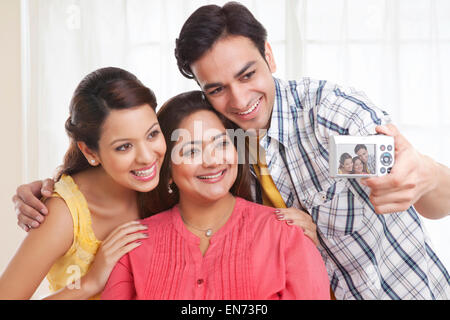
{"x":212,"y":243}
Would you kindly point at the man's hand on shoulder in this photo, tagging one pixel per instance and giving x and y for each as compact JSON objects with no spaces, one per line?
{"x":29,"y":209}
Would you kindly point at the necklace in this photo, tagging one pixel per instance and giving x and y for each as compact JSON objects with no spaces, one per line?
{"x":209,"y":231}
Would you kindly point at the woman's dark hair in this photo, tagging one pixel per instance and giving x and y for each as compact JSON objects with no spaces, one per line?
{"x":211,"y":23}
{"x":97,"y":94}
{"x":170,"y":116}
{"x":357,"y":158}
{"x":344,"y":157}
{"x":362,"y":162}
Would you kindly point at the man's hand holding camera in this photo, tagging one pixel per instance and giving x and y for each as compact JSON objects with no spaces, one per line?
{"x":415,"y":179}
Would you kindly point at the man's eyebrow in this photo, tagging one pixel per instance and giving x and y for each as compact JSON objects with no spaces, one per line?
{"x":248,"y":65}
{"x":237,"y":75}
{"x":212,"y":85}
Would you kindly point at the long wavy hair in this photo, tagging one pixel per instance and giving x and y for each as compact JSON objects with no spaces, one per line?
{"x":97,"y":94}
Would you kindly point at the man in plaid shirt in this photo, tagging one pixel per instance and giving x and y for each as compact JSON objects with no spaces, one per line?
{"x":368,"y":254}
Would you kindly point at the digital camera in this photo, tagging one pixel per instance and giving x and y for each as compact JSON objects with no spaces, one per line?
{"x":361,"y":156}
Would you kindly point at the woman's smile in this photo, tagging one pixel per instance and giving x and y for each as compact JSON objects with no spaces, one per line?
{"x":213,"y":177}
{"x":145,"y":174}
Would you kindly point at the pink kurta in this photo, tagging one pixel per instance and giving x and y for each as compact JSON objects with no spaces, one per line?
{"x":253,"y":256}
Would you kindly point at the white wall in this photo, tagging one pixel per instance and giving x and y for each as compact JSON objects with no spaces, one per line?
{"x":11,"y":132}
{"x":10,"y":128}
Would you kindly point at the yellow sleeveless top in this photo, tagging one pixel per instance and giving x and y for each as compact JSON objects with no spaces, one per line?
{"x":77,"y":260}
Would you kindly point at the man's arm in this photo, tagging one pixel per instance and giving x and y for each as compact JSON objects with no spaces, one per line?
{"x":415,"y":179}
{"x":435,"y":204}
{"x":30,"y":210}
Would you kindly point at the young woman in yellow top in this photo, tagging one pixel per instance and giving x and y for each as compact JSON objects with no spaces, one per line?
{"x":345,"y":164}
{"x":115,"y":155}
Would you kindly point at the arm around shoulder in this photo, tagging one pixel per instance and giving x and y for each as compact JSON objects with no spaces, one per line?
{"x":38,"y":252}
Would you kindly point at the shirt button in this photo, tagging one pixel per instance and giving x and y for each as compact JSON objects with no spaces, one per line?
{"x":200,"y":282}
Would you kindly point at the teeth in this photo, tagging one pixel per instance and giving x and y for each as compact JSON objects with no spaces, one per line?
{"x":144,"y":173}
{"x":211,"y":177}
{"x":251,"y":109}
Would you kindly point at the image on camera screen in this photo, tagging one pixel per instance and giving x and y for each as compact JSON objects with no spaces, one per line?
{"x":358,"y":159}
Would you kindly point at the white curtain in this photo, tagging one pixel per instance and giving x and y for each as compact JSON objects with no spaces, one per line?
{"x":67,"y":39}
{"x":397,"y":51}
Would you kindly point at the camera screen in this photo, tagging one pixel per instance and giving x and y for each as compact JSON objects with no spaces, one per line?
{"x":356,"y":159}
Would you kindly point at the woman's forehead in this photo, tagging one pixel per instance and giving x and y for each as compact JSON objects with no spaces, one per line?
{"x":129,"y":122}
{"x":203,"y":125}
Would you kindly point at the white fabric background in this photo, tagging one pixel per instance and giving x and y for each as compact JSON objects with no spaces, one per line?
{"x":396,"y":51}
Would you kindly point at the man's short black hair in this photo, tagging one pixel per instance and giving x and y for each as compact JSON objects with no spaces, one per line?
{"x":210,"y":23}
{"x":359,"y":147}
